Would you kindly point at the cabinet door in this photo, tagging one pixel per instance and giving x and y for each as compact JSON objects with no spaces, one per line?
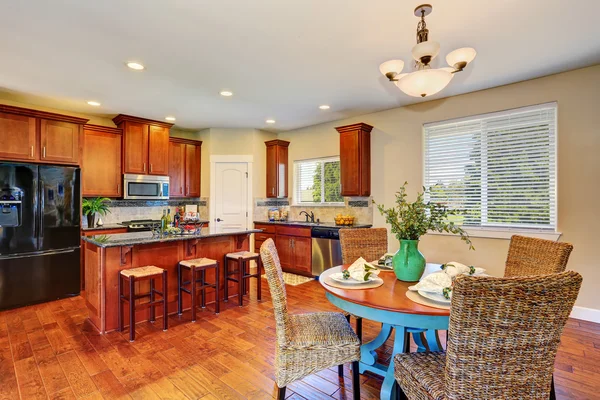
{"x":282,"y":172}
{"x":59,"y":141}
{"x":192,"y":170}
{"x":285,"y":251}
{"x":176,"y":169}
{"x":135,"y":148}
{"x":158,"y":158}
{"x":302,"y":254}
{"x":350,"y":164}
{"x":101,"y":164}
{"x":17,"y":137}
{"x":271,"y":171}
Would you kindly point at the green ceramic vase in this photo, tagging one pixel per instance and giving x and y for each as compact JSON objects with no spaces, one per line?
{"x":408,"y":261}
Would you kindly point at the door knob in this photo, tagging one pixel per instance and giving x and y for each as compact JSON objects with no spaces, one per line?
{"x":219,"y":220}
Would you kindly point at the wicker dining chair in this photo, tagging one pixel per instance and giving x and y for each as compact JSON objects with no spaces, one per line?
{"x":306,"y":343}
{"x":368,"y":243}
{"x":504,"y":334}
{"x":531,"y":256}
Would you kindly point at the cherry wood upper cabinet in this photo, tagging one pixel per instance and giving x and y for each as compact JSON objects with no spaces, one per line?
{"x":145,"y":144}
{"x":176,"y":169}
{"x":184,"y":167}
{"x":17,"y":137}
{"x":192,"y":170}
{"x":158,"y":142}
{"x":59,"y":141}
{"x":101,"y":164}
{"x":277,"y":168}
{"x":355,"y":159}
{"x":39,"y":136}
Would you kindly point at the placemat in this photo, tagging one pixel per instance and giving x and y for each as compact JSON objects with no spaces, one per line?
{"x":417,"y":298}
{"x":373,"y":284}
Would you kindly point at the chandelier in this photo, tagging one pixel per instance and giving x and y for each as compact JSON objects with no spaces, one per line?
{"x":426,"y":81}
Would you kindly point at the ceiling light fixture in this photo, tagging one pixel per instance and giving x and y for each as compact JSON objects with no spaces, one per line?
{"x":135,"y":65}
{"x":170,"y":118}
{"x":426,"y":81}
{"x":93,"y":103}
{"x":226,"y":93}
{"x":324,"y":107}
{"x":270,"y":121}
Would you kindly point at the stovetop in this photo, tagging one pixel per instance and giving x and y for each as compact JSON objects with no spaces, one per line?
{"x":138,"y":225}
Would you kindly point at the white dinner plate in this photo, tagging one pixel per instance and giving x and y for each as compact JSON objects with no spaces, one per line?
{"x":339,"y":277}
{"x":435,"y":297}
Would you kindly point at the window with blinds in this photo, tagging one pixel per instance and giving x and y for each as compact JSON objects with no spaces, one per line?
{"x":499,"y":169}
{"x":317,"y":181}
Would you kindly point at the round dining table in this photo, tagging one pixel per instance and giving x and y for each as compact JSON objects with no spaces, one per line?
{"x":389,"y":305}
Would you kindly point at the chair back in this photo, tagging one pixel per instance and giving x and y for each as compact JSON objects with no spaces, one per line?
{"x":531,"y":256}
{"x":504,"y":334}
{"x":369,"y":243}
{"x":272,"y":265}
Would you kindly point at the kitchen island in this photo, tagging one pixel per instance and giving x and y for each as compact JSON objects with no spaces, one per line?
{"x":106,"y":255}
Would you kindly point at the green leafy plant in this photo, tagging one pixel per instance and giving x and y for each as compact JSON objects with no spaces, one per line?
{"x":95,"y":205}
{"x":410,"y":221}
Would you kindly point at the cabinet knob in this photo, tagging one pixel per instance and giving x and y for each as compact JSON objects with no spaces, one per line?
{"x":31,"y":151}
{"x":44,"y":152}
{"x":150,"y":167}
{"x":144,"y":169}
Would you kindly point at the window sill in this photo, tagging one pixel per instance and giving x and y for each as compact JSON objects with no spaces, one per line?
{"x":504,"y":233}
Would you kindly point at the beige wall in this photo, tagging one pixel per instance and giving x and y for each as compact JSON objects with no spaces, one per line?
{"x":396,"y":143}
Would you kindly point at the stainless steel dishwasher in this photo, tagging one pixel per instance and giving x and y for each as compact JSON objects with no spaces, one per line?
{"x":326,"y":249}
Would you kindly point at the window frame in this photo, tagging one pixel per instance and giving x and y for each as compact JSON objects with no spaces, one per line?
{"x":295,"y":196}
{"x":502,"y":232}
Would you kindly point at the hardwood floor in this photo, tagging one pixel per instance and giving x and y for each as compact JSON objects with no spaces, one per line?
{"x":51,"y":351}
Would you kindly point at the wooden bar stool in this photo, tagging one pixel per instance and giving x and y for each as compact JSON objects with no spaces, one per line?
{"x":197,"y":268}
{"x":134,"y":275}
{"x":240,"y":276}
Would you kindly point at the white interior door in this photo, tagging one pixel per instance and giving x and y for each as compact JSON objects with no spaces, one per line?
{"x":231,"y":196}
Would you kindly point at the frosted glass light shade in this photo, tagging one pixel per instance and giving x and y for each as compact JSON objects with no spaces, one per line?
{"x":465,"y":54}
{"x":425,"y":82}
{"x":394,"y":66}
{"x":429,"y":48}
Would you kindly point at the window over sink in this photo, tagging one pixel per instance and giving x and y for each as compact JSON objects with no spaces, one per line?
{"x":498,"y":168}
{"x":317,"y":182}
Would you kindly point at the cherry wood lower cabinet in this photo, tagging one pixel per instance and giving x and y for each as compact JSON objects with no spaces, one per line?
{"x":101,"y":164}
{"x":293,"y":243}
{"x":95,"y":232}
{"x":104,"y":264}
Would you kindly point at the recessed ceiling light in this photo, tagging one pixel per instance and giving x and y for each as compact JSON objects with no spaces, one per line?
{"x":170,"y":118}
{"x":135,"y":65}
{"x":226,"y":93}
{"x":270,"y":121}
{"x":324,"y":107}
{"x":93,"y":103}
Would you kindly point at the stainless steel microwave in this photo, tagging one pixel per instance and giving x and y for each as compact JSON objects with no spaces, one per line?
{"x":145,"y":187}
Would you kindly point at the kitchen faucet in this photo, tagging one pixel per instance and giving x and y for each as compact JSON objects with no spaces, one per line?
{"x":310,"y":216}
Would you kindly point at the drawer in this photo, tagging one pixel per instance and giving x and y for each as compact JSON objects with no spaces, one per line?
{"x":263,"y":236}
{"x":300,"y":231}
{"x":267,"y":228}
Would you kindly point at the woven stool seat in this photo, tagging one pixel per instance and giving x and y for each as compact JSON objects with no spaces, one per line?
{"x":242,"y":254}
{"x":198,"y":262}
{"x":142,"y":272}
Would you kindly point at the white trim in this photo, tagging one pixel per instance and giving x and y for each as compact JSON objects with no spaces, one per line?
{"x":248,"y":159}
{"x":504,"y":233}
{"x":586,"y":314}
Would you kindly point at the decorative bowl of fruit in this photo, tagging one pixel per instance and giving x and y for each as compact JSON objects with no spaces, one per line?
{"x":344,"y":220}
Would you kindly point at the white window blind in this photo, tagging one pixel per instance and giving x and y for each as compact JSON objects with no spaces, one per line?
{"x":499,"y":169}
{"x":317,"y":181}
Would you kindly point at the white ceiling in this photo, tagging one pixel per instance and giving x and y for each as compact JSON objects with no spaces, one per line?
{"x":282,"y":59}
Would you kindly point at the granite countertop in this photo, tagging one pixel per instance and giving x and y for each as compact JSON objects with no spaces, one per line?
{"x":311,"y":224}
{"x":133,"y":238}
{"x":107,"y":226}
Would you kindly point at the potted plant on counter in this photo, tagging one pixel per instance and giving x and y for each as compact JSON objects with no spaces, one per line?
{"x":93,"y":206}
{"x":410,"y":221}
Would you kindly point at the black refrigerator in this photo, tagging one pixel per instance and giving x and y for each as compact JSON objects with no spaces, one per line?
{"x":39,"y":233}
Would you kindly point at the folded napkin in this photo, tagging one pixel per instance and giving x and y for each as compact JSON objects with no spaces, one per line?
{"x":361,"y":270}
{"x":441,"y":282}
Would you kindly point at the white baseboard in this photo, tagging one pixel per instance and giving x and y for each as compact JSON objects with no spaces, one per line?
{"x":586,"y":314}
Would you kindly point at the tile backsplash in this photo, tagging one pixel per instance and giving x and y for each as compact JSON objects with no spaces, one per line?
{"x":359,"y":207}
{"x":127,"y":210}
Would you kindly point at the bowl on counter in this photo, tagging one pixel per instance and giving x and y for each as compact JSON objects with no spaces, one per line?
{"x":344,"y":220}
